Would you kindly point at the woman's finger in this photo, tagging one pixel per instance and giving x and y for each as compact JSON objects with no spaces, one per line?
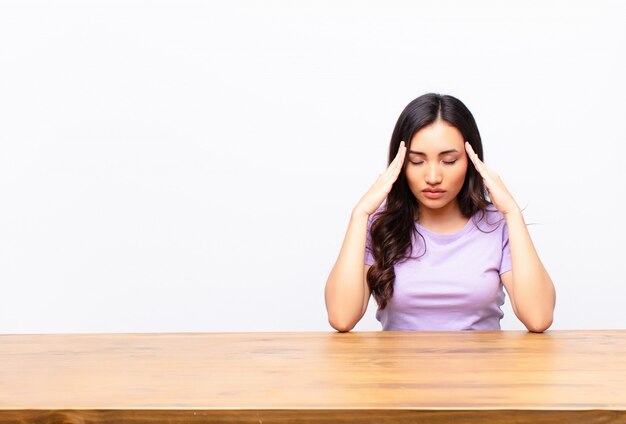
{"x":400,"y":156}
{"x":400,"y":163}
{"x":470,"y":152}
{"x":485,"y":172}
{"x":396,"y":165}
{"x":377,"y":193}
{"x":478,"y":164}
{"x":484,"y":169}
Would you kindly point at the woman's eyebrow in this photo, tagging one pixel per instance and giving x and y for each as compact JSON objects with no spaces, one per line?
{"x":440,"y":154}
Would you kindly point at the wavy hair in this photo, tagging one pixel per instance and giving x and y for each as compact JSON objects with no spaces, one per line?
{"x":393,"y":226}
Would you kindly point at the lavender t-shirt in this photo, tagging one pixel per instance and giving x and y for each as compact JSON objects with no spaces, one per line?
{"x":456,"y":284}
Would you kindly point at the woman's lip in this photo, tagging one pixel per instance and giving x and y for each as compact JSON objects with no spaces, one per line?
{"x":433,"y":194}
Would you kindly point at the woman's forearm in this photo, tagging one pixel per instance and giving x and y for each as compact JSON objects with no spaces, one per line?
{"x":534,"y":293}
{"x":344,"y":287}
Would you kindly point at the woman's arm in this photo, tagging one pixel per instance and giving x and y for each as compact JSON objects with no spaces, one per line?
{"x":345,"y":285}
{"x":347,"y":293}
{"x":529,"y":286}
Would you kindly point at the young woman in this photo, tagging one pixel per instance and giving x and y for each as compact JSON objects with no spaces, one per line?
{"x":438,"y":253}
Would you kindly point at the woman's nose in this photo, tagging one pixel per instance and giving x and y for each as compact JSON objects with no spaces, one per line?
{"x":433,"y":176}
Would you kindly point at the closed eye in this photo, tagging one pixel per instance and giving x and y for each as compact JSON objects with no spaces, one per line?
{"x":446,"y":162}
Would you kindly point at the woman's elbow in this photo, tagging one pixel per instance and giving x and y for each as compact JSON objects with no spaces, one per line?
{"x":341,"y":326}
{"x":539,"y":326}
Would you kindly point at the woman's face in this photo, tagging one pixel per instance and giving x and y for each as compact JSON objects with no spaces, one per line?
{"x":437,"y":164}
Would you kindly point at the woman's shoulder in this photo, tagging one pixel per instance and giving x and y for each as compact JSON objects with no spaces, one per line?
{"x":489,"y":219}
{"x":376,"y":214}
{"x":493,"y":212}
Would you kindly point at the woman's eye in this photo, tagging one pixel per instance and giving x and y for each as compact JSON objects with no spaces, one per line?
{"x":447,"y":162}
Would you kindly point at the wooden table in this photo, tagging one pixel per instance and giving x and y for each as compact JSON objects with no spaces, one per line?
{"x":471,"y":376}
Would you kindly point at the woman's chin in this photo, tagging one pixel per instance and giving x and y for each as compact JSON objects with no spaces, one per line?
{"x":433,"y":203}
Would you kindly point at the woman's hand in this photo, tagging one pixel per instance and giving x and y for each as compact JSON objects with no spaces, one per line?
{"x":500,"y":196}
{"x":381,"y":188}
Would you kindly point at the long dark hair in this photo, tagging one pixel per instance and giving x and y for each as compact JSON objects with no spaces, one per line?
{"x":394,"y":225}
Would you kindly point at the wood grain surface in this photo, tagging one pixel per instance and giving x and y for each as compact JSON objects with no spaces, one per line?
{"x":469,"y":376}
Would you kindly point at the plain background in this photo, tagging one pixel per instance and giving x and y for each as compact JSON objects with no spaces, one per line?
{"x":192,"y":166}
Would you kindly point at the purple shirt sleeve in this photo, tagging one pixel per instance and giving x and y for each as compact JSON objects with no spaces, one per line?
{"x":505,"y":263}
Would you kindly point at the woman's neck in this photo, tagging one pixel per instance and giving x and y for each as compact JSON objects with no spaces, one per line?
{"x":442,"y":220}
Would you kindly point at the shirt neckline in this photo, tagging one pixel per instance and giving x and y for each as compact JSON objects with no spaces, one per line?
{"x":469,"y":225}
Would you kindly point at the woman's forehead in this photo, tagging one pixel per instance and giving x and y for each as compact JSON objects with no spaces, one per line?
{"x":436,"y":138}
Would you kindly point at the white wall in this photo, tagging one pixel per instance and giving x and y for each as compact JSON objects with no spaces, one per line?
{"x":191,"y":166}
